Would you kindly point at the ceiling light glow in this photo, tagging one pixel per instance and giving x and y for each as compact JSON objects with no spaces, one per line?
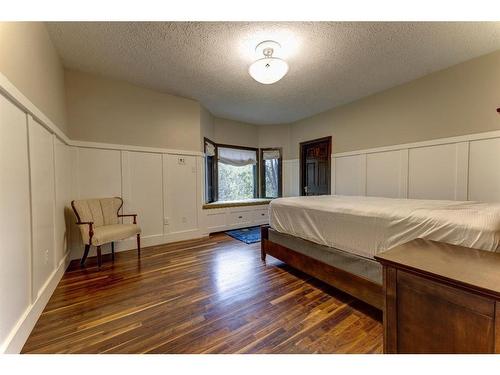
{"x":269,"y":69}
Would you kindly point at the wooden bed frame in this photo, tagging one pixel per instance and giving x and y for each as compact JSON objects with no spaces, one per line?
{"x":359,"y":287}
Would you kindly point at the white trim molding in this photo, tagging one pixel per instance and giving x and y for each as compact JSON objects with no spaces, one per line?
{"x":14,"y":95}
{"x":20,"y":333}
{"x":431,"y":142}
{"x":111,"y":146}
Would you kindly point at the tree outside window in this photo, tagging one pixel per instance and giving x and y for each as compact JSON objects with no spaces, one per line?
{"x":237,"y":175}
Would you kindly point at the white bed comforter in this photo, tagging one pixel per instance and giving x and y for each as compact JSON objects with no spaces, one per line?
{"x":367,"y":226}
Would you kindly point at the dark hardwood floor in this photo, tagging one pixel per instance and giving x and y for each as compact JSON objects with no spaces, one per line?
{"x":202,"y":296}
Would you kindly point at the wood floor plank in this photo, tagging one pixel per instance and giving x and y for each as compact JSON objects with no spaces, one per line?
{"x":210,"y":295}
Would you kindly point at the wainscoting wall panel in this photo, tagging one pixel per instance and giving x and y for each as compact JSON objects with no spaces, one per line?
{"x":386,"y":174}
{"x":142,"y":186}
{"x":456,"y":168}
{"x":291,"y":178}
{"x":15,"y":222}
{"x":99,"y":173}
{"x":181,"y":196}
{"x":433,"y":172}
{"x":64,"y":194}
{"x":41,"y":152}
{"x":484,"y":170}
{"x":350,"y":175}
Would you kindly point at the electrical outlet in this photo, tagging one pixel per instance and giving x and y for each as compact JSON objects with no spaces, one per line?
{"x":46,"y":256}
{"x":166,"y":221}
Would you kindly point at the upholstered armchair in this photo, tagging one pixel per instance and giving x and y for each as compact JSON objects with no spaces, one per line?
{"x":99,"y":224}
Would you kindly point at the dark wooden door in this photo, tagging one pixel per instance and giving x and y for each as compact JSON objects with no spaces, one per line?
{"x":315,"y":166}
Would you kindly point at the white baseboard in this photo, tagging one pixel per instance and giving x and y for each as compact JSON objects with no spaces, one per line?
{"x":184,"y":235}
{"x":146,"y":241}
{"x":20,"y":333}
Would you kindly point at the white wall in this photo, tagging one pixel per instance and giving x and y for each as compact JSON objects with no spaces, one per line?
{"x":41,"y":153}
{"x":458,"y":168}
{"x":142,"y":189}
{"x":182,"y":190}
{"x":291,"y":178}
{"x":64,"y":189}
{"x":98,"y":173}
{"x":36,"y":186}
{"x":382,"y":170}
{"x":484,"y":175}
{"x":350,"y":175}
{"x":15,"y":226}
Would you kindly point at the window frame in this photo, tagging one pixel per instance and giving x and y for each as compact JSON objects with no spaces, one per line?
{"x":214,"y":196}
{"x":259,"y":171}
{"x":263,"y":171}
{"x":215,"y":170}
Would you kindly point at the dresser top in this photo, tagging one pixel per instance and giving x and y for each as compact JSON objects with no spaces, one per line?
{"x":462,"y":266}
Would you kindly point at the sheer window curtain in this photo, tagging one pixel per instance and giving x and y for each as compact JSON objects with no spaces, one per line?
{"x":237,"y":157}
{"x":209,"y":149}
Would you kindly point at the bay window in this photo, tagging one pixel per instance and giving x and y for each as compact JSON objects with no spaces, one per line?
{"x":236,"y":173}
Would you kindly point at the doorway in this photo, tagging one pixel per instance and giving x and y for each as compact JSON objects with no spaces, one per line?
{"x":315,"y":166}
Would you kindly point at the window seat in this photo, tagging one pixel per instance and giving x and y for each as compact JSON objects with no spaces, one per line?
{"x":238,"y":203}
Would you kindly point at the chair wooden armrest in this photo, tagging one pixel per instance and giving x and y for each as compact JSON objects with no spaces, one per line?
{"x":84,"y":222}
{"x":129,"y":215}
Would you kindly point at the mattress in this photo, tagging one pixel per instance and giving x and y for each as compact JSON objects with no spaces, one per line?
{"x":367,"y":226}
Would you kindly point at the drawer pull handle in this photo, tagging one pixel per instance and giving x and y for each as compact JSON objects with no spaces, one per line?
{"x":240,"y":217}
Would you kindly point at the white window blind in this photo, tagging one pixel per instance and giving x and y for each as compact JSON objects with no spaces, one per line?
{"x":270,"y":154}
{"x":237,"y":157}
{"x":209,"y":149}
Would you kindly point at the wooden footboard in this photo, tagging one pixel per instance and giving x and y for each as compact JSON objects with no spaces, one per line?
{"x":358,"y":287}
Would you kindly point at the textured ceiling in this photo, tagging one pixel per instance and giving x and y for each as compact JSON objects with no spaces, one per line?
{"x":330,"y":63}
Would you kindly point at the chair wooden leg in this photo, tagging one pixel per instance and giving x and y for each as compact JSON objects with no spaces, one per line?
{"x":139,"y":245}
{"x":85,"y":255}
{"x":99,"y":256}
{"x":113,"y":251}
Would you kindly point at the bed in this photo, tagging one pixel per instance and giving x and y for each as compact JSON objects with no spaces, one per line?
{"x":335,"y":238}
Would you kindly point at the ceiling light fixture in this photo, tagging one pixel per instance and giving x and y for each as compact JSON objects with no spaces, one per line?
{"x":269,"y":69}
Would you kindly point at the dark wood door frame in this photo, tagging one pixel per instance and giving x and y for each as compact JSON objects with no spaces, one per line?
{"x":302,"y":161}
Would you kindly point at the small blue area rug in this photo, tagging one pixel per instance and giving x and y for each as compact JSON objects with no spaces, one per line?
{"x":246,"y":235}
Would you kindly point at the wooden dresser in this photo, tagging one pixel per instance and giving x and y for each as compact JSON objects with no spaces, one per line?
{"x":441,"y":298}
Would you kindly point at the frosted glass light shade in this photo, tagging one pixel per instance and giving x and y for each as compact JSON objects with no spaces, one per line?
{"x":268,"y":70}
